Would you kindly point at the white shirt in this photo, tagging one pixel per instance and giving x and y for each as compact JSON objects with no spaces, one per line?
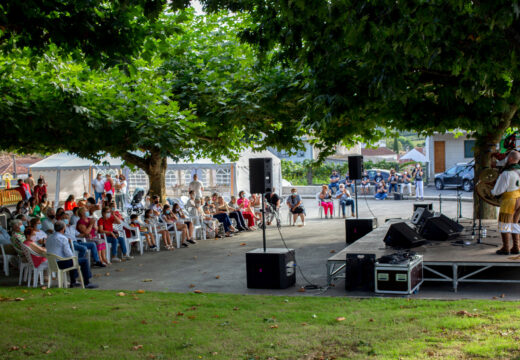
{"x":196,"y":186}
{"x":123,"y":187}
{"x":99,"y":185}
{"x":507,"y":181}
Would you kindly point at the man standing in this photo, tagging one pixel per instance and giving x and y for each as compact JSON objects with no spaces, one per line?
{"x":25,"y":188}
{"x":99,"y":187}
{"x":59,"y":245}
{"x":196,"y":187}
{"x":272,"y":199}
{"x":334,"y":179}
{"x":30,"y":181}
{"x":508,"y":187}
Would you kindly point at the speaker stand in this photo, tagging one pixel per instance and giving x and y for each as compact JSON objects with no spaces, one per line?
{"x":355,"y":191}
{"x":263,"y":222}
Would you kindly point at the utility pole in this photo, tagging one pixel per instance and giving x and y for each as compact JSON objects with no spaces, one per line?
{"x":14,"y":166}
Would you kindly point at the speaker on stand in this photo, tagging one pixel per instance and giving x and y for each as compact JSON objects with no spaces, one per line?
{"x":267,"y":268}
{"x":355,"y":172}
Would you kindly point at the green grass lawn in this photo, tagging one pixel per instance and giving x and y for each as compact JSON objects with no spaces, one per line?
{"x":82,"y":324}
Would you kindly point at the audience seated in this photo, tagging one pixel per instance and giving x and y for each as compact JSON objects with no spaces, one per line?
{"x":147,"y":234}
{"x":170,"y":220}
{"x":245,"y":206}
{"x":392,"y":180}
{"x":210,"y":223}
{"x":40,"y":235}
{"x":74,"y":218}
{"x":406,"y":182}
{"x":365,"y":184}
{"x":381,"y":192}
{"x":273,"y":200}
{"x":345,"y":199}
{"x":106,"y":227}
{"x":48,"y":221}
{"x":210,"y":209}
{"x":70,"y":204}
{"x":81,"y":247}
{"x":30,"y":236}
{"x":224,"y":208}
{"x":179,"y":214}
{"x":294,"y":201}
{"x":87,"y":228}
{"x":59,"y":245}
{"x":334,"y":181}
{"x":151,"y":220}
{"x":34,"y":208}
{"x":326,"y":202}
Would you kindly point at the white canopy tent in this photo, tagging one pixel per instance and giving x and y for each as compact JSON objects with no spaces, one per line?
{"x":414,"y":155}
{"x":69,"y":174}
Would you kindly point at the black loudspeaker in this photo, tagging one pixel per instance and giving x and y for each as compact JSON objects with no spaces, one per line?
{"x":260,"y":175}
{"x":420,"y":215}
{"x":272,"y":269}
{"x":355,"y":167}
{"x":440,"y":228}
{"x":428,"y":206}
{"x":398,"y":196}
{"x":357,"y":228}
{"x":400,"y":235}
{"x":359,"y":272}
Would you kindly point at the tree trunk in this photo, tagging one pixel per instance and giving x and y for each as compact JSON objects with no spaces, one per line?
{"x":155,"y":167}
{"x":485,"y":145}
{"x":156,"y":172}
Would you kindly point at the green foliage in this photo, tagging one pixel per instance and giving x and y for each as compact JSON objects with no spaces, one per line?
{"x":419,"y":66}
{"x":161,"y":325}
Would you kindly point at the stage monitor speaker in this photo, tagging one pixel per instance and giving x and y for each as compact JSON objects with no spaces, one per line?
{"x":400,"y":235}
{"x":355,"y":167}
{"x":359,"y":272}
{"x":440,"y":228}
{"x":420,"y":215}
{"x":260,"y":175}
{"x":357,"y":228}
{"x":398,"y":196}
{"x":428,"y":206}
{"x":272,"y":269}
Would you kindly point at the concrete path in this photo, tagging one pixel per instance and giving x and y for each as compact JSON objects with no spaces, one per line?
{"x":219,"y":265}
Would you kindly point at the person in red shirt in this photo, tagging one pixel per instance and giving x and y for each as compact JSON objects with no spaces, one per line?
{"x":106,"y":226}
{"x":40,"y":190}
{"x":70,"y":204}
{"x":30,"y":235}
{"x":25,"y":189}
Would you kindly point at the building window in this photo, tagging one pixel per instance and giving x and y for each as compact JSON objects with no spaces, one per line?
{"x":171,"y":178}
{"x":203,"y":178}
{"x":138,"y":179}
{"x":468,"y":148}
{"x":223,"y":177}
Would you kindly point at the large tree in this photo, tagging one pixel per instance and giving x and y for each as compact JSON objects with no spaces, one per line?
{"x":425,"y":65}
{"x":194,"y":92}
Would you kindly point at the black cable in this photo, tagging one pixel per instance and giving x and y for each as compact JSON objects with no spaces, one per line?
{"x":310,"y":285}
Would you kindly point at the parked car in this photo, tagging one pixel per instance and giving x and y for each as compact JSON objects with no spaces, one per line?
{"x":460,"y":175}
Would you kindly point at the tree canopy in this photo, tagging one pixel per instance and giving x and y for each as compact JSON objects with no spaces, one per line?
{"x":196,"y":92}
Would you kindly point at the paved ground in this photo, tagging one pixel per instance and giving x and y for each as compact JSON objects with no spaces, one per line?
{"x":219,"y":265}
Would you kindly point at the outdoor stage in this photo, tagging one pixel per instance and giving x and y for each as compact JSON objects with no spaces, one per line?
{"x":442,"y":260}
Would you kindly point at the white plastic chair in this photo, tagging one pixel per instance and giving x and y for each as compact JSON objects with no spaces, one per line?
{"x":52,"y":261}
{"x":198,"y":227}
{"x":135,"y":237}
{"x":158,"y":237}
{"x":37,"y":272}
{"x":6,"y":260}
{"x":184,"y":200}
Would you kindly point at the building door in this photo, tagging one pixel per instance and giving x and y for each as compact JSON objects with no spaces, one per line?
{"x":439,"y":156}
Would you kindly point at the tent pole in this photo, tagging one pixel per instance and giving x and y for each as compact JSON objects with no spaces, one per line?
{"x":57,"y":192}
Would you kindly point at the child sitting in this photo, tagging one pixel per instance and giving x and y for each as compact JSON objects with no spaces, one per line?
{"x":150,"y":240}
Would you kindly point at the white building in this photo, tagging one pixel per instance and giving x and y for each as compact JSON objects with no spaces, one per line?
{"x":446,"y":150}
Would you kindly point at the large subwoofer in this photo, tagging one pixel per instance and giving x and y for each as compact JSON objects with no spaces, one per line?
{"x":272,"y":269}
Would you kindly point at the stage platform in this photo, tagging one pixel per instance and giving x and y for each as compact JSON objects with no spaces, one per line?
{"x":444,"y":261}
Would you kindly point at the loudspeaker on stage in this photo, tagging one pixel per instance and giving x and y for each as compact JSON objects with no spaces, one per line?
{"x":401,"y":235}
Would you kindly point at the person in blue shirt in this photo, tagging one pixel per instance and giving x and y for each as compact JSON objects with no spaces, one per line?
{"x":334,"y":182}
{"x":392,"y":179}
{"x":345,"y":199}
{"x":365,"y":184}
{"x":381,"y":193}
{"x":58,"y":244}
{"x":406,"y":182}
{"x":349,"y":183}
{"x":295,"y":204}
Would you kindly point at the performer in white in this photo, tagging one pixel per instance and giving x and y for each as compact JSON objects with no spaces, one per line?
{"x":508,"y":188}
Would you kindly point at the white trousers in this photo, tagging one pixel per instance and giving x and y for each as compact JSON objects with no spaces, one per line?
{"x":419,"y":189}
{"x":408,"y":186}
